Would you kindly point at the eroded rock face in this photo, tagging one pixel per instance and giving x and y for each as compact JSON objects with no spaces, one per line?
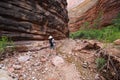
{"x":99,"y":15}
{"x":33,"y":19}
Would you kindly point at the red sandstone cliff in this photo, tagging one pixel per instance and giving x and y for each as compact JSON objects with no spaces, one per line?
{"x":100,"y":14}
{"x":33,"y":19}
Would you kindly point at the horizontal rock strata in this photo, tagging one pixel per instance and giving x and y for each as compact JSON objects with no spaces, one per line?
{"x":99,"y":15}
{"x":33,"y":19}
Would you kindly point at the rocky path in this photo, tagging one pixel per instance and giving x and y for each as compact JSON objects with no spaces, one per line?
{"x":69,"y":61}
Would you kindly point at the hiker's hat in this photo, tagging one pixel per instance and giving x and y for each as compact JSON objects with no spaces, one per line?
{"x":50,"y":37}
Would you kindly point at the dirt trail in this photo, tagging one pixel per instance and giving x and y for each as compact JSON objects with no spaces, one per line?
{"x":66,"y":62}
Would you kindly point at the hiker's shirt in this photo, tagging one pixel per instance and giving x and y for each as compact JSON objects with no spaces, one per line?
{"x":52,"y":43}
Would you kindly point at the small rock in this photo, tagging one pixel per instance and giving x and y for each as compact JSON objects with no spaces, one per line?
{"x":46,"y":69}
{"x":58,"y":61}
{"x":104,"y":71}
{"x":97,"y":77}
{"x":117,"y":42}
{"x":1,"y":65}
{"x":10,"y":69}
{"x":43,"y":59}
{"x":21,"y":78}
{"x":76,"y":54}
{"x":83,"y":78}
{"x":29,"y":53}
{"x":34,"y":55}
{"x":13,"y":75}
{"x":70,"y":53}
{"x":24,"y":76}
{"x":33,"y":73}
{"x":85,"y":64}
{"x":23,"y":58}
{"x":33,"y":78}
{"x":17,"y":63}
{"x":30,"y":69}
{"x":37,"y":64}
{"x":17,"y":67}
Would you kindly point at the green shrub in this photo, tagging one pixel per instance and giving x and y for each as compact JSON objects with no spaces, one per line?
{"x":100,"y":62}
{"x":107,"y":34}
{"x":4,"y":42}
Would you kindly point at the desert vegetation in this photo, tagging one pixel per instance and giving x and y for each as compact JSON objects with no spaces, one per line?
{"x":106,"y":34}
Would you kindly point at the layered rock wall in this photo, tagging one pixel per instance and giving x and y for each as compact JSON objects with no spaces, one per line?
{"x":33,"y":19}
{"x":101,"y":14}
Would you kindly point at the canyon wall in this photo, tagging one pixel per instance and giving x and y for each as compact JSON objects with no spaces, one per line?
{"x":33,"y":19}
{"x":97,"y":15}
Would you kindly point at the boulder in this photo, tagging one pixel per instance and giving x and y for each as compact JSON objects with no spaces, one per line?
{"x":24,"y":58}
{"x":58,"y":61}
{"x":117,"y":42}
{"x":4,"y":75}
{"x":17,"y":67}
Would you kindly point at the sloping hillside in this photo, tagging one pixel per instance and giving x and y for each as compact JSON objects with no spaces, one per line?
{"x":97,"y":13}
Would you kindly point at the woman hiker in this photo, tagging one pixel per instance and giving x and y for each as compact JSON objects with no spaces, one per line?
{"x":51,"y":42}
